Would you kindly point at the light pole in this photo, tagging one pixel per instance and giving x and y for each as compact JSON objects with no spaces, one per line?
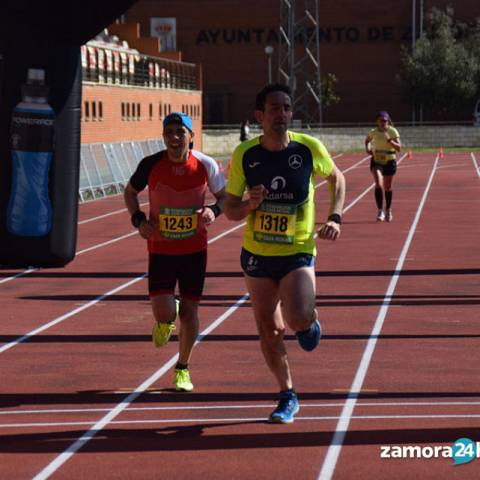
{"x":268,"y":52}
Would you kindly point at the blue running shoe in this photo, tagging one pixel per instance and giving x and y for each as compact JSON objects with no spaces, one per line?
{"x":309,"y":339}
{"x":286,"y":409}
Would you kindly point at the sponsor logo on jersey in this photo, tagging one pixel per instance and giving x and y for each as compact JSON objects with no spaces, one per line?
{"x":295,"y":161}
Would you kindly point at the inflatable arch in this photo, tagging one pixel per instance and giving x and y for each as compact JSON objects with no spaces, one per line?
{"x":46,"y":37}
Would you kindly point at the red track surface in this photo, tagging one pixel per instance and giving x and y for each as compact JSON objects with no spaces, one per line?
{"x":416,"y":280}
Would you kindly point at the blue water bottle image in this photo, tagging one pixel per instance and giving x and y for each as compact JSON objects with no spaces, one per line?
{"x":29,"y":211}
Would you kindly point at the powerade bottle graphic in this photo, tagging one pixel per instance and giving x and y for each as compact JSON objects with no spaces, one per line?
{"x":29,"y":210}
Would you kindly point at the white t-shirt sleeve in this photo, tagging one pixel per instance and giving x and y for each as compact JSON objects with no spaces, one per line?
{"x":216,"y":179}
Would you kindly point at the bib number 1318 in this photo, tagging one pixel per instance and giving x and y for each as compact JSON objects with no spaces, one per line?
{"x":275,"y":223}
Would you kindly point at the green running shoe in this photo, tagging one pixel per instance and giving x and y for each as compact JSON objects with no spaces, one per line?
{"x":182,"y":380}
{"x":161,"y":333}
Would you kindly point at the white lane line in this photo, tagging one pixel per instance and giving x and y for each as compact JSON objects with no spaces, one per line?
{"x":359,"y":197}
{"x":108,"y":242}
{"x":475,"y":164}
{"x":233,"y":407}
{"x":335,"y":447}
{"x":80,"y":252}
{"x":60,"y":319}
{"x":53,"y":466}
{"x":355,"y":165}
{"x":236,"y":419}
{"x":100,"y":217}
{"x":453,"y":165}
{"x":17,"y":275}
{"x":109,"y":214}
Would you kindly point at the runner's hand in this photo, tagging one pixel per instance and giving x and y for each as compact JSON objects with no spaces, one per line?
{"x":206,"y":215}
{"x":329,"y":231}
{"x":256,"y":195}
{"x":146,"y":229}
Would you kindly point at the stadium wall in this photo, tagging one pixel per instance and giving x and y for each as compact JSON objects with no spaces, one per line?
{"x":223,"y":142}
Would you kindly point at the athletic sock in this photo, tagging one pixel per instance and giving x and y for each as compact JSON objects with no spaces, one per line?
{"x":388,"y":199}
{"x":379,"y":197}
{"x":181,"y":366}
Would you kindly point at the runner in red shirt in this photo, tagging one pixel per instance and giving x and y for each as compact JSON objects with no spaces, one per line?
{"x":176,"y":234}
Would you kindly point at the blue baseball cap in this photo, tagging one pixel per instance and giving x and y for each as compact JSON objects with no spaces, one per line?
{"x":383,"y":114}
{"x":178,"y":117}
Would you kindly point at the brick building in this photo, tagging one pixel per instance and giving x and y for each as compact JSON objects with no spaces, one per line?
{"x":360,"y":44}
{"x":129,"y":86}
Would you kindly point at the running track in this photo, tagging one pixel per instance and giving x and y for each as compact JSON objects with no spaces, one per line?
{"x":84,"y":394}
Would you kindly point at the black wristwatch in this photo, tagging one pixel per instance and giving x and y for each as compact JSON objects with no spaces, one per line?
{"x":335,"y":217}
{"x":215,"y":209}
{"x":137,"y":218}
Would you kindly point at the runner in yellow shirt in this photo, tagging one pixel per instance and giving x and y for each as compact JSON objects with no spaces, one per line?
{"x":277,"y":171}
{"x":382,"y":143}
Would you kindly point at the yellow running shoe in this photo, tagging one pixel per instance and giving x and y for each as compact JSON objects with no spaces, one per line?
{"x":161,"y":333}
{"x":182,"y":380}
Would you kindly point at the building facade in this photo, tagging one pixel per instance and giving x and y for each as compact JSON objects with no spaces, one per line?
{"x":360,"y":43}
{"x":126,"y":94}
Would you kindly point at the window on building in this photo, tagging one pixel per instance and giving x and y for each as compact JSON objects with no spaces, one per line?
{"x":139,"y":112}
{"x":100,"y":111}
{"x":86,"y":106}
{"x":94,"y":111}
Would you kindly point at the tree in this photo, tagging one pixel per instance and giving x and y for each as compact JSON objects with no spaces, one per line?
{"x":443,"y":72}
{"x":329,"y":97}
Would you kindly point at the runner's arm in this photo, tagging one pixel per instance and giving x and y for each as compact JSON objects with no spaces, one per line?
{"x":211,"y":212}
{"x":336,"y":184}
{"x":395,"y":143}
{"x":368,"y":146}
{"x":130,"y":196}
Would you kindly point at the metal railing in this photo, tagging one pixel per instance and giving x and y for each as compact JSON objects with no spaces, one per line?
{"x":122,"y":66}
{"x":105,"y":168}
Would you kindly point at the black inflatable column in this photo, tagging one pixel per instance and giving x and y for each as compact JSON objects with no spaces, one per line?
{"x":45,"y":37}
{"x":61,"y":65}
